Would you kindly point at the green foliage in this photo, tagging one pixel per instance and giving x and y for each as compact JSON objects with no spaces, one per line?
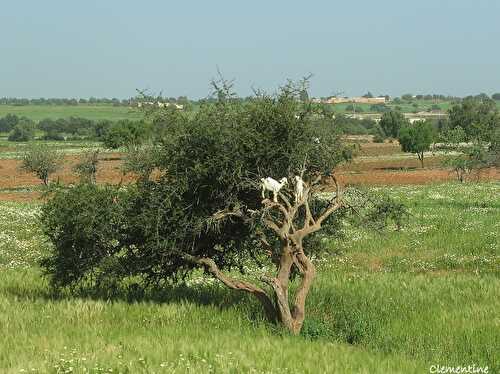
{"x":42,"y":161}
{"x":378,"y":138}
{"x":53,"y":135}
{"x":417,"y":138}
{"x":473,"y":133}
{"x":385,"y":210}
{"x":83,"y":224}
{"x":208,"y":162}
{"x":391,"y":122}
{"x":477,"y":116}
{"x":23,"y":131}
{"x":353,"y":108}
{"x":8,"y":122}
{"x":86,"y":168}
{"x":379,"y":108}
{"x":354,"y":126}
{"x":125,"y":133}
{"x":141,"y":161}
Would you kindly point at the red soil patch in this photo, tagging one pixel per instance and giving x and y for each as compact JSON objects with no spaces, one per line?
{"x":419,"y":176}
{"x":359,"y":172}
{"x":109,"y":172}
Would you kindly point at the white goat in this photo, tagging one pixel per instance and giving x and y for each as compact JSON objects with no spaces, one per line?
{"x":273,"y":185}
{"x":299,"y":189}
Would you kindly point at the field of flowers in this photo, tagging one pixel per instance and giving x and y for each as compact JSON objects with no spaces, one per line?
{"x":384,"y":302}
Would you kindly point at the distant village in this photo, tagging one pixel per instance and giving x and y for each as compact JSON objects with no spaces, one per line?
{"x":356,"y":100}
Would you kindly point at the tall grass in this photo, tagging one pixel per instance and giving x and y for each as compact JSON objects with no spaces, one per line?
{"x":396,"y":302}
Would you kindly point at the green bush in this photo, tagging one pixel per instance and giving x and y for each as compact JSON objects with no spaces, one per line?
{"x":42,"y":161}
{"x":125,"y":133}
{"x":417,"y":138}
{"x":22,"y":132}
{"x":391,"y":122}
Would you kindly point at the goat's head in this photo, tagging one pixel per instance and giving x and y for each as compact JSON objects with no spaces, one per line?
{"x":284,"y":180}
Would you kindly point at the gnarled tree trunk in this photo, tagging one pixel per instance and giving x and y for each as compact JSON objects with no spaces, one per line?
{"x":276,"y":301}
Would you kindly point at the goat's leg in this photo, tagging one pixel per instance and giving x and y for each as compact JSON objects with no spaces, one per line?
{"x":275,"y":196}
{"x":263,"y":192}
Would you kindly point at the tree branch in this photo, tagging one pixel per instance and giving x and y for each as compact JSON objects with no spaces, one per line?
{"x":233,"y":283}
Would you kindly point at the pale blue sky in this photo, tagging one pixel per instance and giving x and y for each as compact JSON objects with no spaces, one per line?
{"x":106,"y":48}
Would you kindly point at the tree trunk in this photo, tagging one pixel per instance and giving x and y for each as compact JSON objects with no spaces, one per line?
{"x":292,"y":254}
{"x":421,"y":158}
{"x":292,"y":317}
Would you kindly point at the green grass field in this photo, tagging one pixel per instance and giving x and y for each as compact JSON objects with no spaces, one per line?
{"x":396,"y":302}
{"x":109,"y":112}
{"x":405,"y":107}
{"x":93,"y":112}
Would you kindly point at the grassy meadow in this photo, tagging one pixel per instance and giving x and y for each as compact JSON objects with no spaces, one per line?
{"x":89,"y":111}
{"x":390,"y":302}
{"x":109,"y":112}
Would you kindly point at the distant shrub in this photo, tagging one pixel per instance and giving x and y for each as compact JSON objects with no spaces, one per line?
{"x":42,"y":161}
{"x":8,"y":122}
{"x":86,"y":168}
{"x":24,"y":131}
{"x":125,"y":133}
{"x":391,"y":122}
{"x":53,"y":135}
{"x":386,"y":210}
{"x":417,"y":138}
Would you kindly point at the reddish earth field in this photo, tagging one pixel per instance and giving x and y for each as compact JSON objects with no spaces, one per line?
{"x":13,"y":180}
{"x":372,"y":168}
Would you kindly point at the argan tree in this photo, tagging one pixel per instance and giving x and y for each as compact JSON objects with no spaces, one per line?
{"x":86,"y":167}
{"x":391,"y":122}
{"x":203,"y":208}
{"x":472,"y":134}
{"x":417,"y":138}
{"x":42,"y":161}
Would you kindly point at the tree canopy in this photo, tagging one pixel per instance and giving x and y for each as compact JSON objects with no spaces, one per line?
{"x":417,"y":138}
{"x":202,"y":208}
{"x":478,"y":116}
{"x":391,"y":122}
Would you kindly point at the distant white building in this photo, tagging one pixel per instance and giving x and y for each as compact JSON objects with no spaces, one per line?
{"x":357,"y":99}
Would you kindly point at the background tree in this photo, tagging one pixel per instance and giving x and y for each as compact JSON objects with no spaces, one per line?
{"x":417,"y":138}
{"x":42,"y":161}
{"x":391,"y":122}
{"x":8,"y":122}
{"x":496,"y":96}
{"x":23,"y":131}
{"x":472,"y":133}
{"x":478,"y":116}
{"x":87,"y":166}
{"x":125,"y":133}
